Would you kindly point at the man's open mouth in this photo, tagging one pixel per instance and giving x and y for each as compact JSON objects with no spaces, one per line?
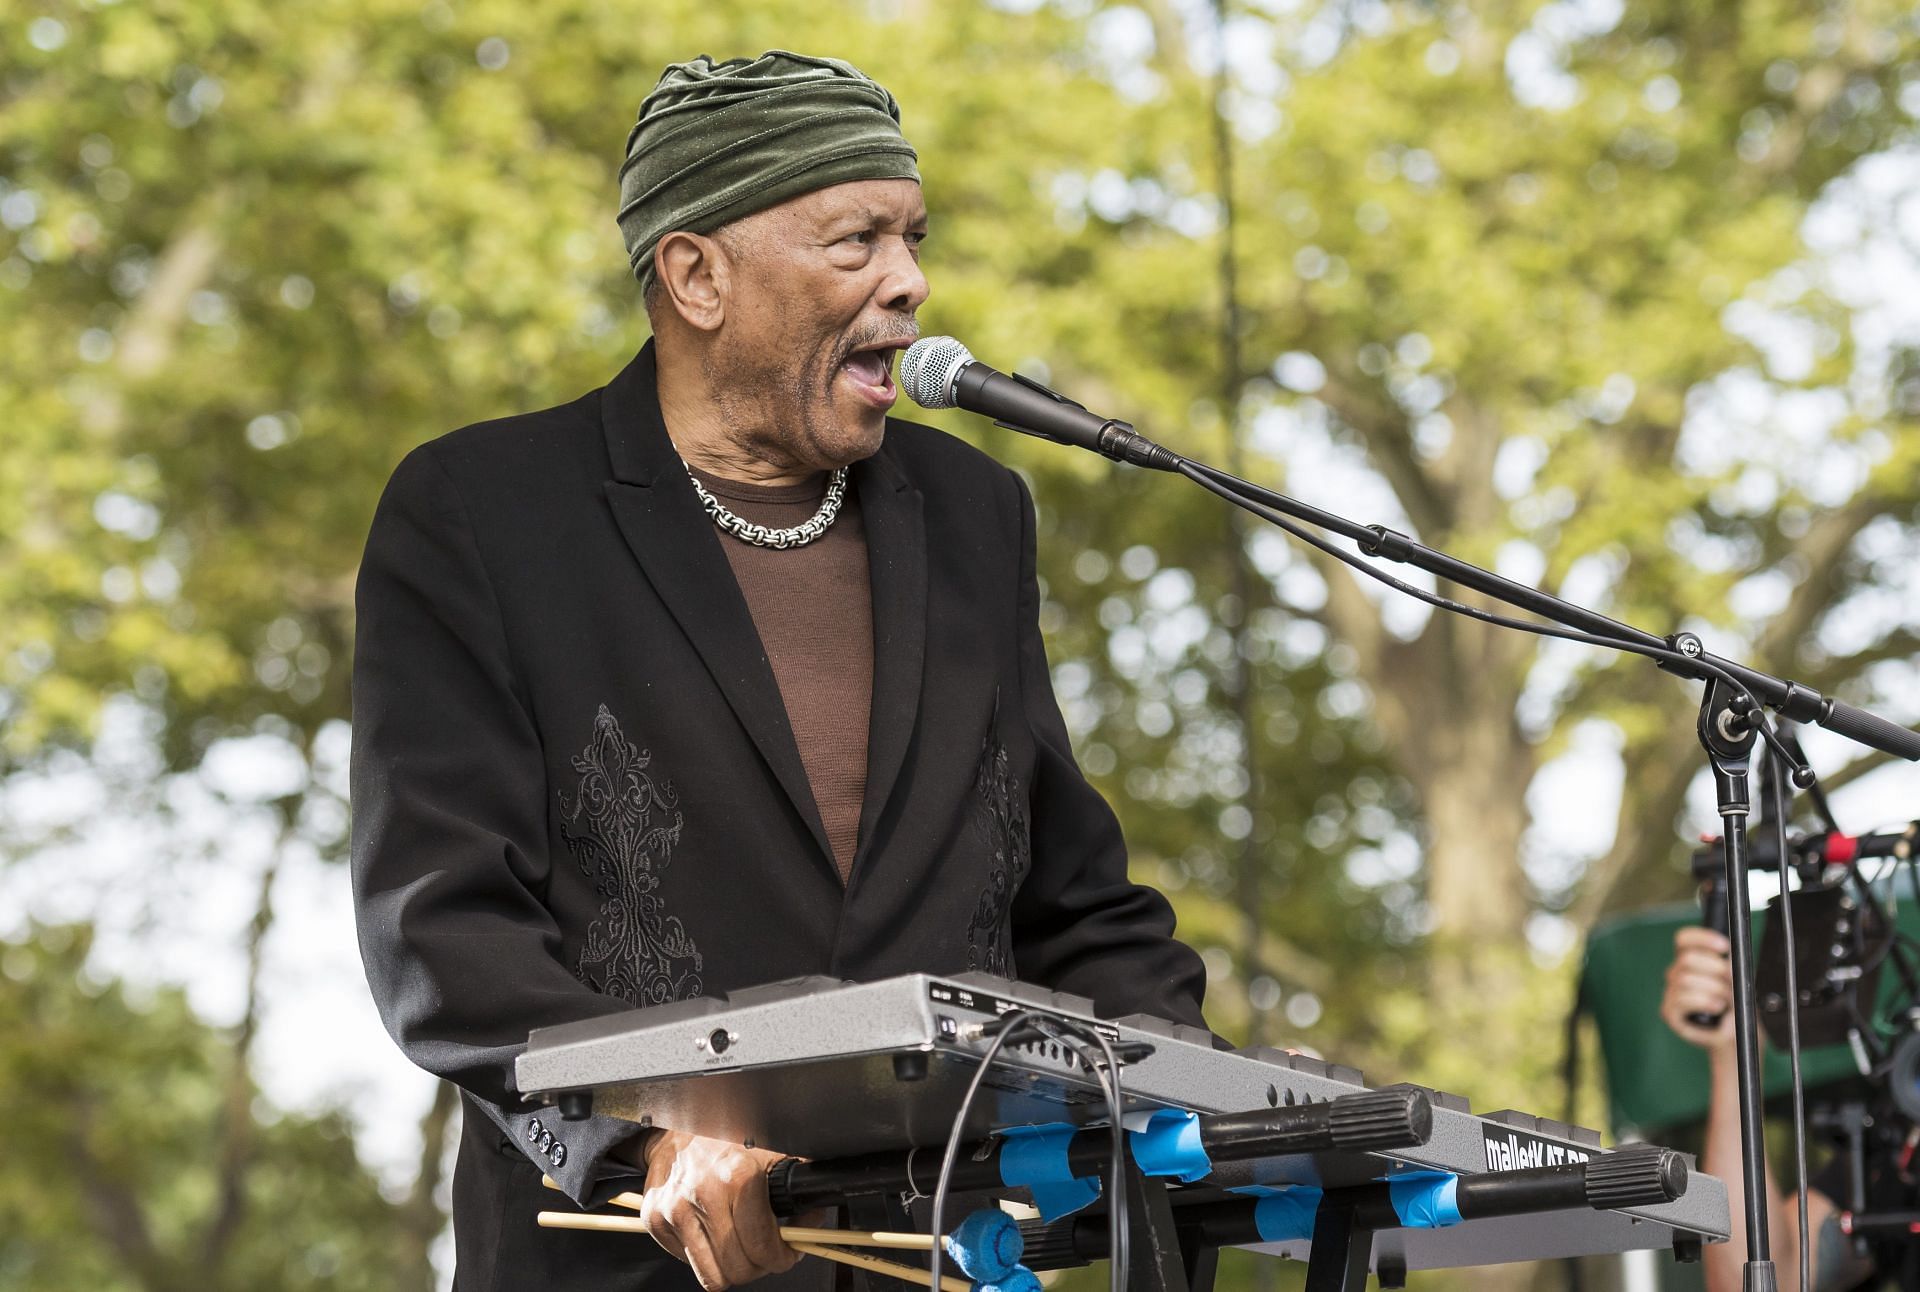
{"x":871,"y":370}
{"x":874,"y":367}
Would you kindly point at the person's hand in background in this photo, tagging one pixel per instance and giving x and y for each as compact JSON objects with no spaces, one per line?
{"x":1700,"y":981}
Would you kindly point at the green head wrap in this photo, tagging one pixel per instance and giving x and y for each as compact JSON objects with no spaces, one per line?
{"x":716,"y":141}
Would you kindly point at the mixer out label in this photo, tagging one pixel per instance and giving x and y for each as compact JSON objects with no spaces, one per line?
{"x":1514,"y":1150}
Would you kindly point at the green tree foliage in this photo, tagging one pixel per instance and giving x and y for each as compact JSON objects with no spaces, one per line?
{"x":117,"y":1174}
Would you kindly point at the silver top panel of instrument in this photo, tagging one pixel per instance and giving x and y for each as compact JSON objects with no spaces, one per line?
{"x":821,"y":1068}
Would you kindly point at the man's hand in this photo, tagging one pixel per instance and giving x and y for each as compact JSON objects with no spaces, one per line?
{"x":706,"y":1203}
{"x":1700,"y":981}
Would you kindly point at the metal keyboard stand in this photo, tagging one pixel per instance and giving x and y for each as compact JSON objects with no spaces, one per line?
{"x":1342,"y":1250}
{"x":1177,"y":1259}
{"x":1347,"y":1220}
{"x":1162,"y":1262}
{"x":1169,"y":1256}
{"x":1165,"y":1255}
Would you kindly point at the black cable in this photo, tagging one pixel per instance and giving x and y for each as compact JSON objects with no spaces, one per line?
{"x":1886,"y":920}
{"x":1108,"y":1075}
{"x":1816,"y":794}
{"x":1116,"y":1179}
{"x":1899,"y":944}
{"x":1898,"y":939}
{"x":1009,"y":1024}
{"x":1776,"y":790}
{"x":1124,"y":1248}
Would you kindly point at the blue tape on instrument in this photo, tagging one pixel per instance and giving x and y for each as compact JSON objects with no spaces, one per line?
{"x":1021,"y":1279}
{"x":1285,"y":1215}
{"x":1427,"y":1200}
{"x":1169,"y":1144}
{"x":986,"y":1245}
{"x":1035,"y":1158}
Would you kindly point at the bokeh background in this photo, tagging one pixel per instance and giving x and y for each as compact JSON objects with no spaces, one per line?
{"x":1618,"y":296}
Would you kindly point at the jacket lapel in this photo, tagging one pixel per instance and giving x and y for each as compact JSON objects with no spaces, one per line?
{"x":675,"y":542}
{"x":897,"y":569}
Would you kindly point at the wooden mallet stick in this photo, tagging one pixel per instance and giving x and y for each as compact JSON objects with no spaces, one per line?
{"x":893,"y":1269}
{"x":789,"y":1233}
{"x":634,"y":1225}
{"x":588,"y":1220}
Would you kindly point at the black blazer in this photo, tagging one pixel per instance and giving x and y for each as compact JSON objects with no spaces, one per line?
{"x":575,"y":789}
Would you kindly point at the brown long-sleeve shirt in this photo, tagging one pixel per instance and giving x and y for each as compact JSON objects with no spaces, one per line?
{"x":813,"y":608}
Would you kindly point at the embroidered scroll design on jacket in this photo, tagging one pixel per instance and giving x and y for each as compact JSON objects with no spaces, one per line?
{"x":621,"y":825}
{"x":1002,"y":818}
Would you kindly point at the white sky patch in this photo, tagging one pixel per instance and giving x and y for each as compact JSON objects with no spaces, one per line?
{"x":1559,"y":843}
{"x":1551,"y":938}
{"x":1520,"y":561}
{"x":1760,"y":596}
{"x":1517,"y":465}
{"x":1336,"y":477}
{"x":1122,"y":40}
{"x":253,"y":769}
{"x":1536,"y":62}
{"x":1300,"y":371}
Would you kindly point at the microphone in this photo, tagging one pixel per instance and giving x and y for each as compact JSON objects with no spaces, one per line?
{"x":939,"y":372}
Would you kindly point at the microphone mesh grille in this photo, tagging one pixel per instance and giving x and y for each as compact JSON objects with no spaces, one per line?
{"x":928,"y":368}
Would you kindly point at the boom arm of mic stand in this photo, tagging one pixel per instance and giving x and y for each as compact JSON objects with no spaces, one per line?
{"x":1798,"y":702}
{"x":1682,"y":654}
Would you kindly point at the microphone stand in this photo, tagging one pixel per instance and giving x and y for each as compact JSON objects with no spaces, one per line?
{"x":1730,"y":717}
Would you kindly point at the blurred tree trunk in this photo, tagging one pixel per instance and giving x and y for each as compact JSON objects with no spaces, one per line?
{"x":421,"y":1217}
{"x":235,"y":1132}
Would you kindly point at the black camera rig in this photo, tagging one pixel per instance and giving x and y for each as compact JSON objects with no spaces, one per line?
{"x":1846,"y":938}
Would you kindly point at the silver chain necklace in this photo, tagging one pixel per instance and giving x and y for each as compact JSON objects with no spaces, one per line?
{"x":759,"y":535}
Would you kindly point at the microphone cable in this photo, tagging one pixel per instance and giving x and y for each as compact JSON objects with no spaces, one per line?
{"x":1107,"y":1074}
{"x":1009,"y":1025}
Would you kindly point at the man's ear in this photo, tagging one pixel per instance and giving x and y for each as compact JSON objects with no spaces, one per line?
{"x":692,"y":270}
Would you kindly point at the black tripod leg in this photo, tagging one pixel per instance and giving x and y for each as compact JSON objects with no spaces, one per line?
{"x":1342,"y":1249}
{"x":1202,"y":1262}
{"x":1155,"y":1261}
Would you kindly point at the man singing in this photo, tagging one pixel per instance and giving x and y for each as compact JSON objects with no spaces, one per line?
{"x":712,"y":677}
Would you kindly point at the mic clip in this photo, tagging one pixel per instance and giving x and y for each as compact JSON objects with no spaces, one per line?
{"x":1048,"y":391}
